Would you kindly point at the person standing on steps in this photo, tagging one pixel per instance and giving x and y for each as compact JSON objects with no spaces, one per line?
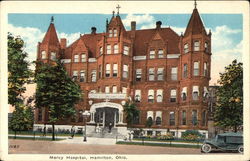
{"x":72,"y":131}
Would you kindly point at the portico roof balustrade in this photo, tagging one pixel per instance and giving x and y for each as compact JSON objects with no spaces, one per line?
{"x":107,"y":95}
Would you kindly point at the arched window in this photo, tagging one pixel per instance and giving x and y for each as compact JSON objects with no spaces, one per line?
{"x":158,"y":120}
{"x":196,"y":45}
{"x":159,"y":95}
{"x":184,"y":94}
{"x":151,"y":95}
{"x":196,"y":93}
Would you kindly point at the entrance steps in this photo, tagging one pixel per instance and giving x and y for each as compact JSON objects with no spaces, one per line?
{"x":104,"y":133}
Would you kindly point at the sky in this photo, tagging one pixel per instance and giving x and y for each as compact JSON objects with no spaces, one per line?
{"x":226,"y":31}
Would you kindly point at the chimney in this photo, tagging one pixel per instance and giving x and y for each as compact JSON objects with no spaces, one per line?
{"x":133,"y":25}
{"x":63,"y":43}
{"x":158,"y":24}
{"x":93,"y":30}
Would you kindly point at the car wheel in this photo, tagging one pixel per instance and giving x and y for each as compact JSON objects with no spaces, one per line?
{"x":206,"y":148}
{"x":240,"y":149}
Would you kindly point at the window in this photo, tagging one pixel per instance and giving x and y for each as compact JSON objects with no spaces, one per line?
{"x":159,"y":95}
{"x":93,"y":76}
{"x":124,"y":90}
{"x":206,"y":47}
{"x":174,"y":73}
{"x":107,"y":89}
{"x":173,"y":95}
{"x":137,"y":95}
{"x":138,"y":74}
{"x":107,"y":70}
{"x":196,"y":68}
{"x":114,"y":89}
{"x":160,"y":53}
{"x":76,"y":58}
{"x":160,"y":73}
{"x":75,"y":75}
{"x":158,"y":121}
{"x":171,"y":118}
{"x":83,"y":57}
{"x":186,"y":48}
{"x":184,"y":94}
{"x":203,"y":123}
{"x":43,"y":54}
{"x":205,"y":73}
{"x":152,"y":54}
{"x":195,"y":93}
{"x":184,"y":118}
{"x":115,"y":70}
{"x":136,"y":119}
{"x":115,"y":33}
{"x":185,"y":71}
{"x":100,"y":71}
{"x":125,"y":50}
{"x":53,"y":56}
{"x":116,"y":49}
{"x":194,"y":117}
{"x":125,"y":71}
{"x":196,"y":45}
{"x":151,"y":95}
{"x":82,"y":76}
{"x":108,"y":49}
{"x":151,"y":72}
{"x":101,"y":50}
{"x":110,"y":33}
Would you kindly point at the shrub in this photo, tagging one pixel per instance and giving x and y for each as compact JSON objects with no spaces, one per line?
{"x":192,"y":135}
{"x":168,"y":136}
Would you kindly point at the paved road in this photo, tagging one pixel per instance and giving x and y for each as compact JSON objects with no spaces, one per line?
{"x":59,"y":147}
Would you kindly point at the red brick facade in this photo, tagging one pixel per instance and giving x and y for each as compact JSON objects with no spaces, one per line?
{"x":148,"y":60}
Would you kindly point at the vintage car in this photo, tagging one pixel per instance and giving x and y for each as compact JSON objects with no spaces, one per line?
{"x":226,"y":142}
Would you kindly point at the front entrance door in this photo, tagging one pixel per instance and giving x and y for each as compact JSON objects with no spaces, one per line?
{"x":106,"y":115}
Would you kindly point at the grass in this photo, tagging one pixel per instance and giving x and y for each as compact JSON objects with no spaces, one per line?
{"x":160,"y":144}
{"x":40,"y":133}
{"x":31,"y":138}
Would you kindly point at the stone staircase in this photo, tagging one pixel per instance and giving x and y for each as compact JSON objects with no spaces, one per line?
{"x":104,"y":133}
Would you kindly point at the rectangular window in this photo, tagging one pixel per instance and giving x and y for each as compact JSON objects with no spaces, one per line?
{"x":82,"y":76}
{"x":76,"y":58}
{"x":151,"y":72}
{"x":185,"y":71}
{"x":205,"y":73}
{"x":160,"y":73}
{"x":173,"y":95}
{"x":125,"y":71}
{"x":116,"y":49}
{"x":137,"y":95}
{"x":152,"y":54}
{"x":184,"y":118}
{"x":53,"y":56}
{"x":115,"y":33}
{"x":186,"y":48}
{"x":110,"y":33}
{"x":171,"y":118}
{"x":107,"y":89}
{"x":160,"y":53}
{"x":75,"y":75}
{"x":43,"y":54}
{"x":101,"y":50}
{"x":108,"y":49}
{"x":196,"y":68}
{"x":114,"y":89}
{"x":196,"y":45}
{"x":159,"y":95}
{"x":93,"y":76}
{"x":125,"y":50}
{"x":174,"y":73}
{"x":124,"y":90}
{"x":107,"y":70}
{"x":115,"y":70}
{"x":151,"y":95}
{"x":138,"y":75}
{"x":100,"y":71}
{"x":83,"y":57}
{"x":195,"y":93}
{"x":184,"y":94}
{"x":194,"y":117}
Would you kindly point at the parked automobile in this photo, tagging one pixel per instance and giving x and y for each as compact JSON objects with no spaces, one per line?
{"x":225,"y":142}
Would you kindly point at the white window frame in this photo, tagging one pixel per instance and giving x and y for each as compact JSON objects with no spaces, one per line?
{"x":195,"y":93}
{"x":116,"y":49}
{"x":186,"y":48}
{"x":172,"y":119}
{"x":173,"y":95}
{"x":43,"y":55}
{"x":184,"y":92}
{"x":115,"y":32}
{"x":75,"y":75}
{"x":152,"y":54}
{"x":124,"y":90}
{"x":107,"y":89}
{"x":196,"y":70}
{"x":107,"y":70}
{"x":110,"y":33}
{"x":159,"y":95}
{"x":83,"y":57}
{"x":151,"y":74}
{"x":138,"y":95}
{"x":53,"y":56}
{"x":114,"y":89}
{"x":126,"y":50}
{"x":93,"y":76}
{"x":82,"y":76}
{"x":108,"y":49}
{"x":160,"y":74}
{"x":160,"y":53}
{"x":125,"y":71}
{"x":151,"y":95}
{"x":196,"y":45}
{"x":174,"y":72}
{"x":138,"y":75}
{"x":115,"y":70}
{"x":76,"y":58}
{"x":205,"y":70}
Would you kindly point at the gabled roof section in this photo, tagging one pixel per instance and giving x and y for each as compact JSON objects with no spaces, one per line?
{"x":51,"y":36}
{"x":116,"y":21}
{"x":195,"y":24}
{"x":91,"y":41}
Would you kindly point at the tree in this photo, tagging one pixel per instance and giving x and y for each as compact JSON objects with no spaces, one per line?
{"x":56,"y":91}
{"x":131,"y":112}
{"x":229,"y":106}
{"x":18,"y":69}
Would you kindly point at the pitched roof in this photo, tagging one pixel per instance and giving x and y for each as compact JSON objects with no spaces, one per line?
{"x":91,"y":41}
{"x":195,"y":24}
{"x":51,"y":36}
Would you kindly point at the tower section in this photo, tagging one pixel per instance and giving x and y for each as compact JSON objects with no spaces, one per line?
{"x":194,"y":69}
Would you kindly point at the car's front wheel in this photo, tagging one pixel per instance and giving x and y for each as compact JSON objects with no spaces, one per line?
{"x":206,"y":148}
{"x":240,"y":149}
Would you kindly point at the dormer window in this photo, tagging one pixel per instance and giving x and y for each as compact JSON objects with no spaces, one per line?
{"x":160,"y":53}
{"x":152,"y":54}
{"x":186,"y":48}
{"x":53,"y":56}
{"x":110,"y":33}
{"x":43,"y":55}
{"x":196,"y":45}
{"x":115,"y":33}
{"x":76,"y":58}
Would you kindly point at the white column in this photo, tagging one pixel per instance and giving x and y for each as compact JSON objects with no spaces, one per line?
{"x":92,"y":119}
{"x":120,"y":115}
{"x":103,"y":117}
{"x":115,"y":120}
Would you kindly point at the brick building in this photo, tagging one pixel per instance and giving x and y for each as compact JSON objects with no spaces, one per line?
{"x":166,"y":75}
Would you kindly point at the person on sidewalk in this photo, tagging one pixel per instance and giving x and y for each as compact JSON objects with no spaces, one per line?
{"x":72,"y":131}
{"x":44,"y":130}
